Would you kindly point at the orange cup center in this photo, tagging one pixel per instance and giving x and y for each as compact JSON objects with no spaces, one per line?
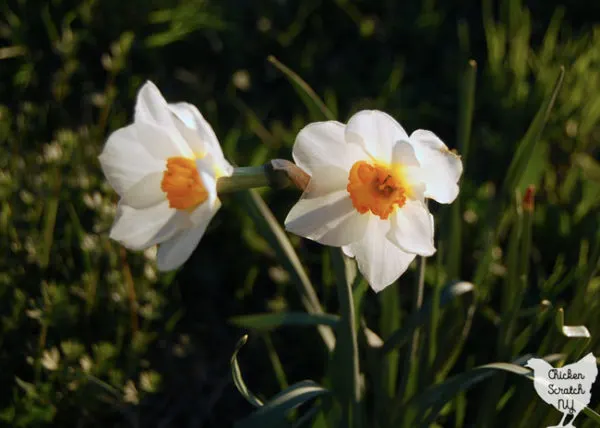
{"x":182,"y":184}
{"x":376,"y":188}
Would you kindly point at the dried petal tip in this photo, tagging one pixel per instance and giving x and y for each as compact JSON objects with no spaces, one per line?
{"x":529,"y":199}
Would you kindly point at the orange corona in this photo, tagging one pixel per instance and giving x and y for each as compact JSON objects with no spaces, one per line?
{"x":376,"y":188}
{"x":181,"y":182}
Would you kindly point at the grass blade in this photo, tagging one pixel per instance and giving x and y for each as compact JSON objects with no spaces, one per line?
{"x":466,"y":102}
{"x":276,"y":362}
{"x":270,"y":321}
{"x":237,"y":375}
{"x":50,"y":212}
{"x":274,"y":234}
{"x":436,"y":396}
{"x":314,"y":104}
{"x":402,"y":335}
{"x":528,"y":144}
{"x":273,"y":413}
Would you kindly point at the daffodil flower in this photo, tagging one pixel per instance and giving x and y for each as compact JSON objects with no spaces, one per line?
{"x":164,"y":167}
{"x":367,"y":191}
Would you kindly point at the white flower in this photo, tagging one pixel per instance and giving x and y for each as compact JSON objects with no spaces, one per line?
{"x":51,"y":359}
{"x":369,"y":181}
{"x":164,"y":167}
{"x":53,"y":152}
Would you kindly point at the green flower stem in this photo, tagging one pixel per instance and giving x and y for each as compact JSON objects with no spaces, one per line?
{"x":347,"y":346}
{"x":278,"y":173}
{"x":243,"y":178}
{"x":410,"y":377}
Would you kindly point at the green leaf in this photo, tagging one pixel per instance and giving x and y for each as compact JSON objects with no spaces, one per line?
{"x":50,"y":211}
{"x":270,"y":229}
{"x":466,"y":102}
{"x":399,"y":337}
{"x":270,"y":321}
{"x":237,"y":375}
{"x":275,"y":362}
{"x":536,"y":167}
{"x":273,"y":413}
{"x":29,"y":388}
{"x":439,"y":394}
{"x":316,"y":107}
{"x":528,"y":144}
{"x":589,"y":166}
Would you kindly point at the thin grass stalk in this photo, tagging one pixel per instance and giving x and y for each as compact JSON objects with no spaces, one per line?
{"x":131,"y":294}
{"x":303,"y":87}
{"x":390,"y":322}
{"x":503,"y":347}
{"x":466,"y":101}
{"x":275,"y":362}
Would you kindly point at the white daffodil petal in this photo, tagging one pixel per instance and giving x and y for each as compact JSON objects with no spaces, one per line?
{"x":330,"y":219}
{"x":145,"y":193}
{"x":161,"y":142}
{"x":441,"y":169}
{"x":206,"y":170}
{"x":140,"y":229}
{"x":376,"y":132}
{"x":379,"y":260}
{"x":416,"y":187}
{"x":174,"y":252}
{"x":412,"y":228}
{"x":404,"y":154}
{"x":151,"y":109}
{"x":187,"y":123}
{"x":204,"y":213}
{"x":326,"y":181}
{"x":125,"y":161}
{"x":199,"y":134}
{"x":322,"y":145}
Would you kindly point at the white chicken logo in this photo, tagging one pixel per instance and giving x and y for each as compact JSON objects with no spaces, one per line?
{"x":568,"y":389}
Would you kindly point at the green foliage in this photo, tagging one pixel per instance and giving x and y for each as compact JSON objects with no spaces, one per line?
{"x":92,"y":335}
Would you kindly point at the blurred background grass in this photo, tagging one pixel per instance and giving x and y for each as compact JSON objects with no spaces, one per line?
{"x":92,"y":335}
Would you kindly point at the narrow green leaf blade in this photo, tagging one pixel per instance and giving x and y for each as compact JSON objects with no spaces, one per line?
{"x":237,"y":375}
{"x":273,"y":413}
{"x":314,"y":104}
{"x":466,"y":107}
{"x":589,"y":166}
{"x":439,"y":394}
{"x":274,"y":234}
{"x":400,"y":336}
{"x":270,"y":321}
{"x":528,"y":144}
